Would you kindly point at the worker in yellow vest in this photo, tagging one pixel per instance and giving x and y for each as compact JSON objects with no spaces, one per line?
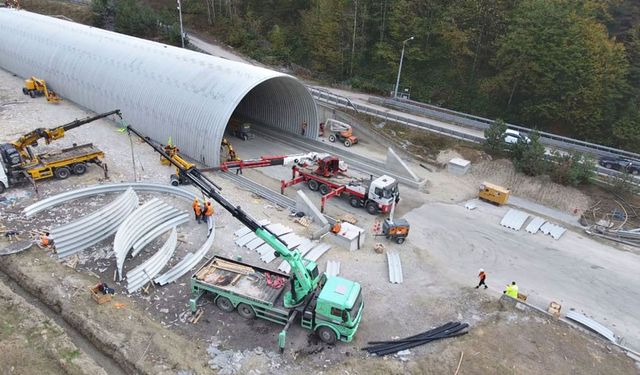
{"x":511,"y":290}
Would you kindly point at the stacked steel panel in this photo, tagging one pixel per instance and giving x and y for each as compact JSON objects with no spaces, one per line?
{"x":95,"y":227}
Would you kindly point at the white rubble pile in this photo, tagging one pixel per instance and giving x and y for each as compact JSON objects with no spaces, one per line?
{"x":256,"y":361}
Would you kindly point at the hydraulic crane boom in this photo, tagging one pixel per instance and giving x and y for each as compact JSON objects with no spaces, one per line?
{"x":302,"y":284}
{"x":31,"y":138}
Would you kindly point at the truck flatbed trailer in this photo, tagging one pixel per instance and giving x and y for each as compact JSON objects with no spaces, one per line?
{"x":62,"y":163}
{"x":243,"y":283}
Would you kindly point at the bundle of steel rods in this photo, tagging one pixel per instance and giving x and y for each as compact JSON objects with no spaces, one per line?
{"x":451,"y":329}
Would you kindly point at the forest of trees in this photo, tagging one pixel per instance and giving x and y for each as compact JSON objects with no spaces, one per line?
{"x":571,"y":67}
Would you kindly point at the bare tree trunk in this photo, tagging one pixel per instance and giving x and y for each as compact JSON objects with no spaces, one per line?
{"x":513,"y":90}
{"x":353,"y":40}
{"x":208,"y":12}
{"x":384,"y":19}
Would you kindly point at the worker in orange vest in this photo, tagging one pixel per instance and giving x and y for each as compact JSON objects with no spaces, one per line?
{"x":197,"y":210}
{"x":45,"y":241}
{"x":482,"y":276}
{"x":208,"y":212}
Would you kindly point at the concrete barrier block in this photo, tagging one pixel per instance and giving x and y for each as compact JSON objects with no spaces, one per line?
{"x":395,"y":164}
{"x":304,"y":204}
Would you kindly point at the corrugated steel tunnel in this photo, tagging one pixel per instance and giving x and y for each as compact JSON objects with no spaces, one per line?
{"x":162,"y":90}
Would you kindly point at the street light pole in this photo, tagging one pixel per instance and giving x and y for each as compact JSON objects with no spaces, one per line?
{"x":181,"y":30}
{"x":395,"y":95}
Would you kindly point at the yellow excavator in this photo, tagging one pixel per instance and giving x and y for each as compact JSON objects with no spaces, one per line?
{"x":38,"y":87}
{"x":231,"y":153}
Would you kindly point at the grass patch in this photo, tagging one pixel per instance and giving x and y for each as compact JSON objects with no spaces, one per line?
{"x":69,"y":355}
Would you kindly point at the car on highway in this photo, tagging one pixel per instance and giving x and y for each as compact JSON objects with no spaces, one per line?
{"x":621,"y":164}
{"x":514,"y":136}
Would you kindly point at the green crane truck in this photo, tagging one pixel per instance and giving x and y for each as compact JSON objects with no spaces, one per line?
{"x":330,"y":306}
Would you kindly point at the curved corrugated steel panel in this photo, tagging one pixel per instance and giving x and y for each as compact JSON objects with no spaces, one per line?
{"x":162,"y":90}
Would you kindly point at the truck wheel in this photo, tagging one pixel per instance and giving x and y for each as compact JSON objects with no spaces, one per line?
{"x":327,"y":335}
{"x":372,"y":208}
{"x":332,"y":138}
{"x":2,"y":187}
{"x":354,"y":201}
{"x":25,"y":91}
{"x":224,"y":304}
{"x":62,"y":173}
{"x":324,"y":189}
{"x":400,"y":240}
{"x":313,"y":185}
{"x":79,"y":168}
{"x":347,"y":143}
{"x":634,"y":172}
{"x":32,"y":94}
{"x":246,"y":311}
{"x":245,"y":137}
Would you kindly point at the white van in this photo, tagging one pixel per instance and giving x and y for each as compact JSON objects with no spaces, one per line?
{"x":514,"y":136}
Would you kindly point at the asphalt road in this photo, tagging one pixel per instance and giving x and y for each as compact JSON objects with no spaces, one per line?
{"x":575,"y":271}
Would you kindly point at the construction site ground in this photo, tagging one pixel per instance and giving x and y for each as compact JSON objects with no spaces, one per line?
{"x":152,"y":333}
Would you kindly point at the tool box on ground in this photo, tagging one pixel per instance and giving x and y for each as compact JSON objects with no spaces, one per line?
{"x":101,"y":293}
{"x":451,"y":329}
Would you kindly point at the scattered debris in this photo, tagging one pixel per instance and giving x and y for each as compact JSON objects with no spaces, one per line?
{"x":349,"y":218}
{"x":378,"y":248}
{"x":471,"y":205}
{"x":305,"y":221}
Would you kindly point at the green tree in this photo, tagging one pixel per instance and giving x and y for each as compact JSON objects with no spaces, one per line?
{"x":279,"y":46}
{"x":323,"y":29}
{"x":572,"y":169}
{"x":558,"y":69}
{"x":494,"y":137}
{"x":530,"y":158}
{"x":132,"y":17}
{"x":101,"y":11}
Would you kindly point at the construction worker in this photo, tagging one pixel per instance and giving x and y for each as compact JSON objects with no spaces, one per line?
{"x":208,"y":212}
{"x":197,"y":210}
{"x":45,"y":241}
{"x":303,"y":127}
{"x":321,"y":129}
{"x":482,"y":276}
{"x":336,"y":227}
{"x":511,"y":290}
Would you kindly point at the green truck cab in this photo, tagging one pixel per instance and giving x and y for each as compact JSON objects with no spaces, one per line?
{"x":333,"y":310}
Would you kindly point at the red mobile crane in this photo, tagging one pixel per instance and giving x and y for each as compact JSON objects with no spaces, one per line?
{"x":322,"y":172}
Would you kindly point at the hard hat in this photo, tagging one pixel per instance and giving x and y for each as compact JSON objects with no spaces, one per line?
{"x":481,"y":270}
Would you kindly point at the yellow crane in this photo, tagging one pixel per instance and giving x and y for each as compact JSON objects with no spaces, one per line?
{"x":38,"y":87}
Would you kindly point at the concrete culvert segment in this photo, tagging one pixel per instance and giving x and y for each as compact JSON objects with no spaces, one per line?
{"x":162,"y":90}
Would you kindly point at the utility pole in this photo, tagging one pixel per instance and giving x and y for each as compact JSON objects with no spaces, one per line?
{"x":181,"y":30}
{"x":395,"y":94}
